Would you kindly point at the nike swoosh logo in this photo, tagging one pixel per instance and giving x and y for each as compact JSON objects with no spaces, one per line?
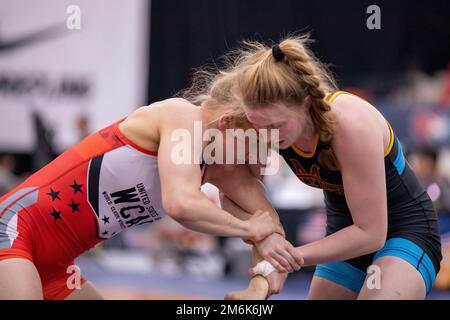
{"x":44,"y":34}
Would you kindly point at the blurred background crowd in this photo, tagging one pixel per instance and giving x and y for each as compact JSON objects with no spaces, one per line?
{"x":58,"y":84}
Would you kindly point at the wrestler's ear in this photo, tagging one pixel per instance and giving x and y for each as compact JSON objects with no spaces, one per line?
{"x":226,"y":121}
{"x":307,"y":102}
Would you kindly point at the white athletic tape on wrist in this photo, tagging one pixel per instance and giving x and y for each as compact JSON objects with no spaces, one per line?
{"x":263,"y":268}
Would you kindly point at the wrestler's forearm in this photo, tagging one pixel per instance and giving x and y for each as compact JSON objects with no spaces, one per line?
{"x":257,"y":199}
{"x":202,"y":215}
{"x":231,"y":207}
{"x":246,"y":197}
{"x":346,"y":243}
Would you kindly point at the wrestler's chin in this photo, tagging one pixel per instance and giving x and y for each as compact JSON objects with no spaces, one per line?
{"x":282,"y":144}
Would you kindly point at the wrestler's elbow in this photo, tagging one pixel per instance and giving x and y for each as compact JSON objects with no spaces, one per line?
{"x":180,"y":205}
{"x":378,"y":243}
{"x":376,"y":238}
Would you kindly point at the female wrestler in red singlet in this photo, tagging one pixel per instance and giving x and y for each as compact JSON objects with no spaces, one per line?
{"x":118,"y":177}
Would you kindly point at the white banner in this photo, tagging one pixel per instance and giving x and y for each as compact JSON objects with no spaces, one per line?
{"x":69,"y":60}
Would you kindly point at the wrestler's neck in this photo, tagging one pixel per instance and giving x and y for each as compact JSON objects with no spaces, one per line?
{"x":306,"y":139}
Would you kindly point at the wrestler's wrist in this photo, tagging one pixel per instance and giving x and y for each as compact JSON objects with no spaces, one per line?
{"x":263,"y":268}
{"x":250,"y":241}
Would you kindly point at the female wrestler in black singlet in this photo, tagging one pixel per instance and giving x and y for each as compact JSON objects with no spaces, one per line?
{"x":377,"y":212}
